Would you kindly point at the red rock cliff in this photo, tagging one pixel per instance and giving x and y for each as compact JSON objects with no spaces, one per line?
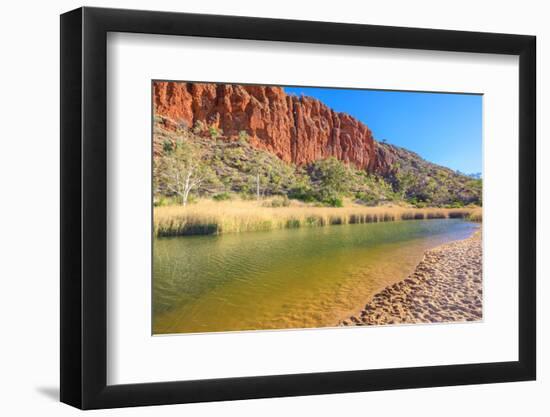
{"x":296,"y":129}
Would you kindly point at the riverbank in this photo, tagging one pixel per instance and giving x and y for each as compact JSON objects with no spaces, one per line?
{"x":207,"y":217}
{"x":446,"y":286}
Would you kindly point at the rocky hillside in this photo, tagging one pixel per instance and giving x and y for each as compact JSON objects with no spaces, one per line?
{"x":418,"y":180}
{"x":300,"y":131}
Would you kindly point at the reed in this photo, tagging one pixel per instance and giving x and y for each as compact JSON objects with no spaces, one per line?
{"x":476,"y":215}
{"x":208,"y":217}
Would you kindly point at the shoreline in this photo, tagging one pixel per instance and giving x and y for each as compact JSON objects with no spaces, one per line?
{"x":446,"y":286}
{"x":216,"y":218}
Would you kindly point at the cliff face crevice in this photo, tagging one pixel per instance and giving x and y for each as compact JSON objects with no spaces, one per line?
{"x":296,"y":129}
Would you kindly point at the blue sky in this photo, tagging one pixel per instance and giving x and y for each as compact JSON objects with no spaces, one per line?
{"x":443,"y":128}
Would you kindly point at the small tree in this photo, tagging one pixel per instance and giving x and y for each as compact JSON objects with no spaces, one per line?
{"x":300,"y":187}
{"x":182,"y":170}
{"x":406,"y":183}
{"x":260,"y":171}
{"x":215,"y":132}
{"x":243,"y":136}
{"x":331,"y":179}
{"x":199,"y":127}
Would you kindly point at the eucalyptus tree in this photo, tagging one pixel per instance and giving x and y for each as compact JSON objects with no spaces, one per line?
{"x":182,"y":170}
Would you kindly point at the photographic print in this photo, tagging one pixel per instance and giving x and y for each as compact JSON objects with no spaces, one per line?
{"x":288,"y":207}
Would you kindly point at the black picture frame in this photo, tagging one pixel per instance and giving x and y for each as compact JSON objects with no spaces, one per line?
{"x":84,"y":207}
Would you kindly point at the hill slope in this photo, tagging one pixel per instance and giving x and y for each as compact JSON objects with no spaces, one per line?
{"x":421,"y":181}
{"x":300,"y":130}
{"x":299,"y":142}
{"x":236,"y":166}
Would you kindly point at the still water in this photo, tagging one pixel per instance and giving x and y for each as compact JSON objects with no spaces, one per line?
{"x":292,"y":278}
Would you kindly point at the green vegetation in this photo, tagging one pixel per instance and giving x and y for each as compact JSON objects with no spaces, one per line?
{"x":221,"y":196}
{"x":221,"y":173}
{"x":181,"y":170}
{"x":235,"y":166}
{"x":424,"y":184}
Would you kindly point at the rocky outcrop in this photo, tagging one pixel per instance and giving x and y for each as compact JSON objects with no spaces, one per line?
{"x":296,"y":129}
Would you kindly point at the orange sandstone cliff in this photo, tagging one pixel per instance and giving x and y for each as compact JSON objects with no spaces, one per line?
{"x":296,"y":129}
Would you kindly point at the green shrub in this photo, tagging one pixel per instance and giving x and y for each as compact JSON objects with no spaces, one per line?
{"x":243,"y":137}
{"x":222,"y":196}
{"x":456,"y":204}
{"x":334,"y":202}
{"x":199,"y":127}
{"x":167,"y":146}
{"x":160,"y":202}
{"x":246,"y":195}
{"x":215,"y":132}
{"x":303,"y":194}
{"x":367,"y":199}
{"x":279,"y":202}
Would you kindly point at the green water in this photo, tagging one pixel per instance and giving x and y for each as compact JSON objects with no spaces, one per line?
{"x":293,"y":278}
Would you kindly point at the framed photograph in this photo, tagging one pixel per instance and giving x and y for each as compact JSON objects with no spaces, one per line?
{"x":259,"y":208}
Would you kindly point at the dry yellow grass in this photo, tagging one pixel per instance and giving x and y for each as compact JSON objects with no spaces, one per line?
{"x":212,"y":217}
{"x":476,"y":215}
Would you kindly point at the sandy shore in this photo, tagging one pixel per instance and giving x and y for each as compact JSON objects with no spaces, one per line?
{"x":446,"y":286}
